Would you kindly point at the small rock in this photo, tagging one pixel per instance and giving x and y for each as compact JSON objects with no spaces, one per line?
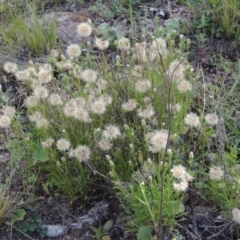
{"x":67,"y":23}
{"x":55,"y":230}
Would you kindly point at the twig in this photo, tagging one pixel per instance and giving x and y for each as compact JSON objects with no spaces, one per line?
{"x":216,"y":234}
{"x":22,"y":232}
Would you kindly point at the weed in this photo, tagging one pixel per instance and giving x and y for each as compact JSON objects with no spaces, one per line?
{"x":27,"y":30}
{"x":31,"y":223}
{"x":133,"y":123}
{"x":8,"y":204}
{"x":217,"y":14}
{"x":103,"y":231}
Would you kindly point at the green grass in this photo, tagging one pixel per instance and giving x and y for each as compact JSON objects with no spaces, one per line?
{"x":23,"y":28}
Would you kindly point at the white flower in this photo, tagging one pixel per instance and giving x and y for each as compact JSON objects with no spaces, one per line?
{"x":100,"y":44}
{"x":47,"y":143}
{"x":5,"y":121}
{"x":31,"y":101}
{"x":176,"y":71}
{"x":182,"y":186}
{"x":98,"y":106}
{"x":55,"y":99}
{"x":82,"y":115}
{"x":10,"y":67}
{"x":42,"y":122}
{"x":111,"y":132}
{"x":159,"y":43}
{"x":137,"y":71}
{"x":130,"y":105}
{"x":89,"y":75}
{"x":123,"y":44}
{"x":192,"y":120}
{"x":8,"y":111}
{"x":40,"y":92}
{"x":63,"y":144}
{"x":184,"y":86}
{"x":216,"y":173}
{"x":157,"y":140}
{"x":22,"y":75}
{"x":146,"y":113}
{"x":211,"y":119}
{"x":142,"y":86}
{"x":70,"y":108}
{"x":73,"y":50}
{"x":105,"y":145}
{"x":44,"y":75}
{"x":179,"y":172}
{"x":82,"y":153}
{"x":84,"y":29}
{"x":236,"y":215}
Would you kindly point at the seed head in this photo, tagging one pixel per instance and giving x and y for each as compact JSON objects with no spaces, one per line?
{"x":84,"y":29}
{"x":192,"y":120}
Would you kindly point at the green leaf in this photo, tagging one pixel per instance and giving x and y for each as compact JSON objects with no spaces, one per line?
{"x":19,"y":215}
{"x":32,"y":227}
{"x":144,"y":233}
{"x":39,"y":155}
{"x":106,"y":237}
{"x":154,"y":238}
{"x":108,"y":225}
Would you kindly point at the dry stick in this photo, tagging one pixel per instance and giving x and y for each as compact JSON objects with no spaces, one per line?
{"x":22,"y":232}
{"x":216,"y":234}
{"x":168,"y":138}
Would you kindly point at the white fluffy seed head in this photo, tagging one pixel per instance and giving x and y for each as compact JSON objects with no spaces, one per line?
{"x":8,"y":111}
{"x":146,"y":113}
{"x":55,"y":99}
{"x":98,"y":107}
{"x":73,"y":51}
{"x":123,"y":44}
{"x":84,"y":29}
{"x":22,"y":75}
{"x":192,"y":120}
{"x":184,"y":86}
{"x":111,"y":132}
{"x":211,"y":119}
{"x":130,"y":105}
{"x":105,"y":144}
{"x":48,"y":143}
{"x":89,"y":75}
{"x":42,"y":123}
{"x":63,"y":144}
{"x":44,"y":76}
{"x":216,"y":173}
{"x":176,"y":71}
{"x":5,"y":121}
{"x":236,"y":215}
{"x":142,"y":86}
{"x":157,"y":141}
{"x":31,"y":101}
{"x":40,"y":92}
{"x":182,"y":186}
{"x":101,"y":44}
{"x":10,"y":67}
{"x":82,"y":153}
